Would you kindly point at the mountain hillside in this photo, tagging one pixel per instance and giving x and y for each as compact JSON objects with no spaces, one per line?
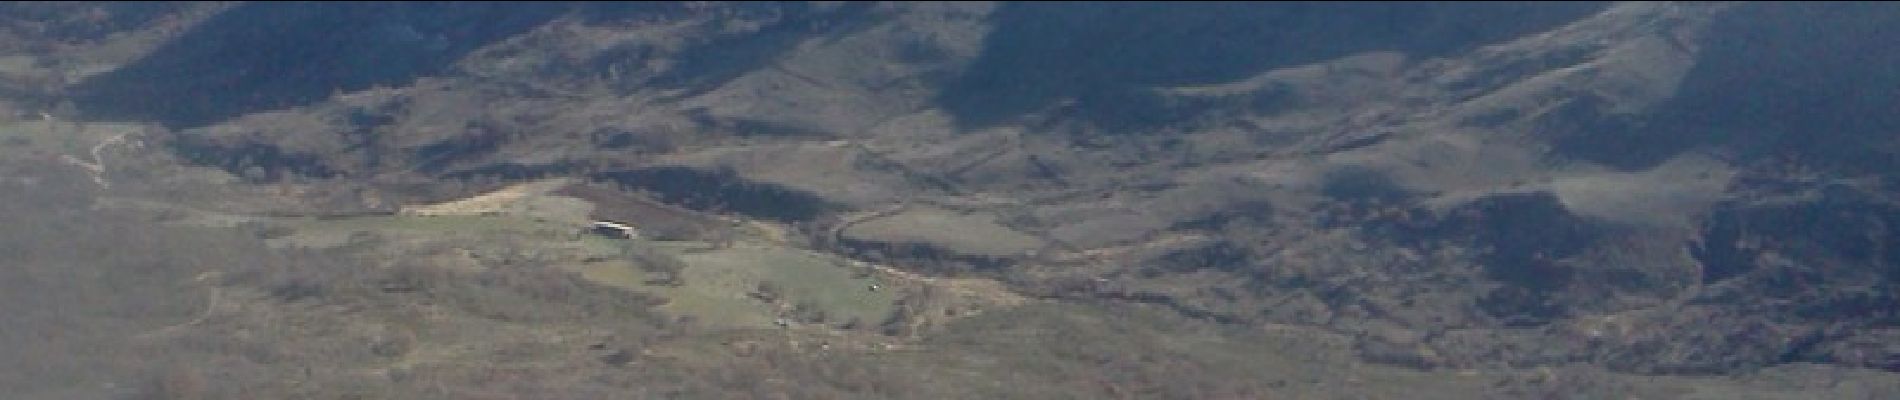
{"x":1607,"y":190}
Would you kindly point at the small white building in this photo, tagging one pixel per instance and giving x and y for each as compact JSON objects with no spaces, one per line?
{"x":613,"y":229}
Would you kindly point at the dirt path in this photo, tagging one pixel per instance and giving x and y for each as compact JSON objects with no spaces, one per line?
{"x":837,"y":232}
{"x":212,"y":302}
{"x":491,"y":202}
{"x":96,"y":167}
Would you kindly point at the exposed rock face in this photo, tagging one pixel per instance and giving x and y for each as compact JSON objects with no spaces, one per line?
{"x":1659,"y":187}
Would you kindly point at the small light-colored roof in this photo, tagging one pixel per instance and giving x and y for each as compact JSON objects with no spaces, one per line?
{"x":611,"y":225}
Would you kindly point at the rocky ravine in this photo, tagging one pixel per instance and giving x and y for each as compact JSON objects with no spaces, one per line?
{"x":1654,"y":187}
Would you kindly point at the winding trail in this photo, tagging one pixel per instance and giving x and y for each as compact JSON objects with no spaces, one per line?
{"x":212,"y":302}
{"x":97,"y":166}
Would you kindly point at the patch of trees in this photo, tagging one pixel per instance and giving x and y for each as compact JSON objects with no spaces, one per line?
{"x":1219,"y":255}
{"x":924,"y":257}
{"x":1360,"y":183}
{"x":484,"y":137}
{"x":723,"y":190}
{"x":808,"y":312}
{"x":667,"y":269}
{"x":1839,"y":227}
{"x":767,"y":292}
{"x":621,"y":139}
{"x":510,"y":171}
{"x":255,"y":162}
